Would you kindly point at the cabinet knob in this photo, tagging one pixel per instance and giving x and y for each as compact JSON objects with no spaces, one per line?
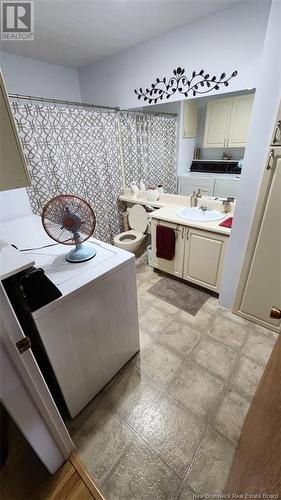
{"x":275,"y":313}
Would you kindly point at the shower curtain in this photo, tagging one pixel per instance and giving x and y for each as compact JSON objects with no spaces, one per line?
{"x":149,"y":149}
{"x":73,"y":150}
{"x":93,"y":154}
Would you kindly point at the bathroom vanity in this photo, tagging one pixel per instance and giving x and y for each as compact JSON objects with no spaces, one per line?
{"x":200,"y":245}
{"x":199,"y":250}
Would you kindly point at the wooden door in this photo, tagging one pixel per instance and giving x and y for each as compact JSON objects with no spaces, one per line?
{"x":240,"y":120}
{"x":217,"y":122}
{"x":256,"y":468}
{"x":263,"y":286}
{"x":199,"y":269}
{"x":174,"y":266}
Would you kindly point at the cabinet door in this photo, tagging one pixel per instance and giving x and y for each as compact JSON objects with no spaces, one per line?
{"x":190,"y":119}
{"x":240,"y":120}
{"x":14,"y":172}
{"x":203,"y":258}
{"x":217,"y":122}
{"x":226,"y":187}
{"x":174,"y":266}
{"x":189,"y":184}
{"x":263,"y":286}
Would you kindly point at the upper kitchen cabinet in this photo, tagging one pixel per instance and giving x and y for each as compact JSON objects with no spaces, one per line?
{"x":190,"y":119}
{"x":217,"y":123}
{"x":13,"y":168}
{"x":239,"y":121}
{"x":227,"y":122}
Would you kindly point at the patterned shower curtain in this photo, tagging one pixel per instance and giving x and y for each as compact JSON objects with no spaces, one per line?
{"x":73,"y":151}
{"x":149,"y":149}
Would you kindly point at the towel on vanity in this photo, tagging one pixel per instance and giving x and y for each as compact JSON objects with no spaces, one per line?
{"x":227,"y":222}
{"x":165,"y":242}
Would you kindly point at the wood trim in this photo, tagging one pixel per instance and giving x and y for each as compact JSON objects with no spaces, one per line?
{"x":85,"y":476}
{"x":257,"y":463}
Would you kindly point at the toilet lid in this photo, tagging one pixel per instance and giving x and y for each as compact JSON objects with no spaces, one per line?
{"x":138,"y":218}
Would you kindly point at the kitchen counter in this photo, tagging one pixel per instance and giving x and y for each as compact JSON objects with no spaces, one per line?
{"x":168,"y":213}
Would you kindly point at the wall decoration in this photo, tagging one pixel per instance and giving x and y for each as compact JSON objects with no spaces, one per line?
{"x":199,"y":83}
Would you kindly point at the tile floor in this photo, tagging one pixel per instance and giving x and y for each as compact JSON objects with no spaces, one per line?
{"x":167,"y":425}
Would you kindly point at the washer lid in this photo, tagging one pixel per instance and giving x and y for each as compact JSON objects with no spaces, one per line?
{"x":138,"y":218}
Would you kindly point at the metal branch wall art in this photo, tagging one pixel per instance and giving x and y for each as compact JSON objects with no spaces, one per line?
{"x":199,"y":83}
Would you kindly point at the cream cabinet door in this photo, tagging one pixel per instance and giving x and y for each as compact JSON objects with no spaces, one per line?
{"x":239,"y":121}
{"x":203,"y":258}
{"x":217,"y":122}
{"x":174,"y":266}
{"x":190,"y":119}
{"x":13,"y":169}
{"x":189,"y":184}
{"x":263,"y":286}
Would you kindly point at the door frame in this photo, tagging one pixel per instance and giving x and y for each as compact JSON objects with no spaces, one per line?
{"x":32,"y":380}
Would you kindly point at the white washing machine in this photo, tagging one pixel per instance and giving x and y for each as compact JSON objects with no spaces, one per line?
{"x":91,"y":331}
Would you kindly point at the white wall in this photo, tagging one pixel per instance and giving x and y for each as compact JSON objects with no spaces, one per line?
{"x":30,"y":77}
{"x":229,"y":40}
{"x":267,"y":98}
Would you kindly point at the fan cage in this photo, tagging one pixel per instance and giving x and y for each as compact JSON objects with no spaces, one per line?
{"x":68,"y":219}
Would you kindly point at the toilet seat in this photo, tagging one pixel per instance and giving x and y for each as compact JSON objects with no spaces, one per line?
{"x":132,"y":240}
{"x":129,"y":237}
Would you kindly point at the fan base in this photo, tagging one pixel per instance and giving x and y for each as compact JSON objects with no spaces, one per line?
{"x":81,"y":253}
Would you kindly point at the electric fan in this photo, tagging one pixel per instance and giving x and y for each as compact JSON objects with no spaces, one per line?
{"x":70,"y":220}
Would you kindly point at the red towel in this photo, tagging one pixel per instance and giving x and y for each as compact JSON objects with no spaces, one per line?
{"x":227,"y":222}
{"x":165,"y":242}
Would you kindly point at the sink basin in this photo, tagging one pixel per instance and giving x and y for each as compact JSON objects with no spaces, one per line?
{"x":196,"y":214}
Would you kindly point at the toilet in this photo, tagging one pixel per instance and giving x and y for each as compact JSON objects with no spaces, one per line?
{"x":132,"y":240}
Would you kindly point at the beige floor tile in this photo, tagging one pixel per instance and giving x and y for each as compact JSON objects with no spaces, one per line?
{"x":197,"y":389}
{"x":258,"y":347}
{"x":102,"y":441}
{"x":230,"y":333}
{"x":185,"y":493}
{"x":231,"y":415}
{"x":160,"y":363}
{"x":226,"y":313}
{"x":173,"y":433}
{"x":201,"y":321}
{"x":218,"y":358}
{"x":180,"y":337}
{"x":140,"y":475}
{"x":153,"y":320}
{"x":145,"y":273}
{"x":133,"y":396}
{"x":211,"y":468}
{"x":247,"y":376}
{"x":264,"y":331}
{"x":145,"y":339}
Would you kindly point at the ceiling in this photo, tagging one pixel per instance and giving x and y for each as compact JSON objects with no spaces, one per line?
{"x":81,"y":32}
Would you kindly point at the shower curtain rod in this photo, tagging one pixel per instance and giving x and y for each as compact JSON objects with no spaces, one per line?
{"x":60,"y":101}
{"x":83,"y":104}
{"x":159,"y":113}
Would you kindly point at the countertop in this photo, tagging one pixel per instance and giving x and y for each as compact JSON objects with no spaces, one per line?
{"x":168,"y":204}
{"x":168,"y":213}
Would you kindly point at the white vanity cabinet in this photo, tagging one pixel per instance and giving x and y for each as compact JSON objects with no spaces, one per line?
{"x":169,"y":266}
{"x":188,"y":184}
{"x":203,"y":257}
{"x":199,"y":255}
